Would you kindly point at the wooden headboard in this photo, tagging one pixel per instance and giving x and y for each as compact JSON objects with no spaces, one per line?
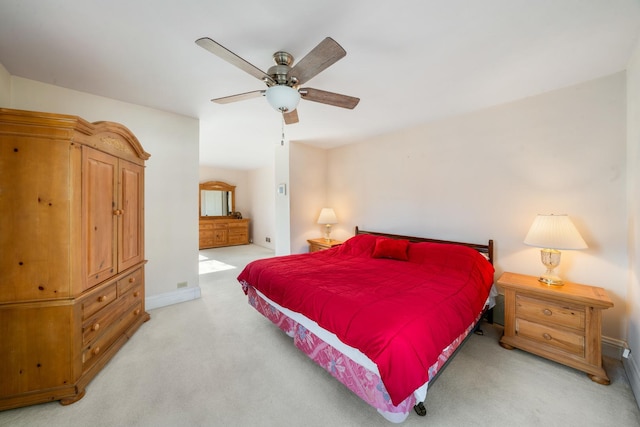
{"x":483,"y":249}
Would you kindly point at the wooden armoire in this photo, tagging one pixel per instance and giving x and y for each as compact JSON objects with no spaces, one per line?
{"x":72,"y":252}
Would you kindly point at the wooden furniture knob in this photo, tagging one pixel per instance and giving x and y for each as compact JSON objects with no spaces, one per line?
{"x":136,"y":312}
{"x":95,"y":326}
{"x":95,"y":351}
{"x":117,"y":212}
{"x":136,"y":294}
{"x":132,"y":279}
{"x":547,"y":312}
{"x":102,"y":298}
{"x":546,"y":336}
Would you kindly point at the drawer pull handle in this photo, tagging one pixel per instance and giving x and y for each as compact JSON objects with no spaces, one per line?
{"x":102,"y":298}
{"x":546,"y":336}
{"x":547,"y":312}
{"x":136,"y":312}
{"x":95,"y":326}
{"x":117,"y":212}
{"x":136,"y":294}
{"x":95,"y":351}
{"x":132,"y":279}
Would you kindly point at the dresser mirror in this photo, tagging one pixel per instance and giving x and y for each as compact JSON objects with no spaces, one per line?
{"x":217,"y":199}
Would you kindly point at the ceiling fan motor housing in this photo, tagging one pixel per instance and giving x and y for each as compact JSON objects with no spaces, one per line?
{"x":279,"y":71}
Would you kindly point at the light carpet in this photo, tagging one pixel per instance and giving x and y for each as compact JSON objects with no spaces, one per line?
{"x":216,"y":361}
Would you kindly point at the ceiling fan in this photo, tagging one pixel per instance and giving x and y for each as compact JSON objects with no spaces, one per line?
{"x":283,"y":81}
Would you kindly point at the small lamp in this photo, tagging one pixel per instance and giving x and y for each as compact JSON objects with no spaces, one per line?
{"x":283,"y":98}
{"x":552,"y":233}
{"x":327,"y":217}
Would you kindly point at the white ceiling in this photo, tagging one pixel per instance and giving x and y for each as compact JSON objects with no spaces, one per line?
{"x":409,"y":62}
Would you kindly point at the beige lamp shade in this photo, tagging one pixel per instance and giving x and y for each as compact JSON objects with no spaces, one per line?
{"x":327,"y":216}
{"x":554,"y":232}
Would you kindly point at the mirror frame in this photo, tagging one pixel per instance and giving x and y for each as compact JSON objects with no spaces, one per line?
{"x":216,"y":186}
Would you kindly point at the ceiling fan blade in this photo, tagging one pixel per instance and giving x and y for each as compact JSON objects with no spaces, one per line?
{"x":291,"y":117}
{"x":324,"y":97}
{"x":321,"y":57}
{"x":239,"y":97}
{"x":232,"y":58}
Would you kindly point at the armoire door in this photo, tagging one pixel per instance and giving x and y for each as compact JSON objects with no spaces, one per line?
{"x":131,"y":215}
{"x":100,"y":214}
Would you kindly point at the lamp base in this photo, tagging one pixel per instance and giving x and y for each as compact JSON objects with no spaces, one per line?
{"x":327,"y":233}
{"x":553,"y":281}
{"x":551,"y":259}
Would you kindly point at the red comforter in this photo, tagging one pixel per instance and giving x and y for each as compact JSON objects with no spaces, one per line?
{"x":401,"y":314}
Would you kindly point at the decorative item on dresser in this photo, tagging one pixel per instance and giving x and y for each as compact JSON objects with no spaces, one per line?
{"x":321,"y":244}
{"x":220,"y":224}
{"x":72,"y":221}
{"x":560,"y":323}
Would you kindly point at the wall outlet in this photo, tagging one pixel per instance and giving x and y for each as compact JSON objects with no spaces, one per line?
{"x":183,"y":284}
{"x":268,"y":239}
{"x":626,"y":353}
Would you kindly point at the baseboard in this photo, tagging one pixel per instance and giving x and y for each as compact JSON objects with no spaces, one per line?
{"x":169,"y":298}
{"x":615,"y":348}
{"x":633,"y":374}
{"x":612,"y":347}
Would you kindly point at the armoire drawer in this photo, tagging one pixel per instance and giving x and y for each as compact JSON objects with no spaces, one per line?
{"x":91,"y":353}
{"x":130,"y":281}
{"x":101,"y":321}
{"x":99,"y":300}
{"x":133,"y":296}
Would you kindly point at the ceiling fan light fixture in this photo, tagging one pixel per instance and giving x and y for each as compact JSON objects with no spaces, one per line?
{"x":283,"y":98}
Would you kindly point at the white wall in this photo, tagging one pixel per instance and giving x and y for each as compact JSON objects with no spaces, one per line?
{"x":485,"y":175}
{"x":633,"y":194}
{"x":171,"y":233}
{"x":263,"y":206}
{"x":282,"y":201}
{"x":307,"y":176}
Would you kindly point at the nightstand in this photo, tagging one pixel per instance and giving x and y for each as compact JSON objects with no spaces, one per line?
{"x":321,"y":244}
{"x":560,"y":323}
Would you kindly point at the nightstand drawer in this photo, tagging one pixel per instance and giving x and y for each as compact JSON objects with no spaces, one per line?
{"x":566,"y":341}
{"x":548,"y":312}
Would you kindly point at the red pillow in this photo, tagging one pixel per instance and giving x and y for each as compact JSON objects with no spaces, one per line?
{"x":391,"y":248}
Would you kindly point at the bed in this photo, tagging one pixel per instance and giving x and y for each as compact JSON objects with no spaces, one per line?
{"x":382,"y":313}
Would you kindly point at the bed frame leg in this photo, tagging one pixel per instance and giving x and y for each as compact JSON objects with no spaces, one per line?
{"x":420,"y":409}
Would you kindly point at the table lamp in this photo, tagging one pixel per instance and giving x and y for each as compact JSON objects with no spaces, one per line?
{"x":552,"y":233}
{"x":327,"y":217}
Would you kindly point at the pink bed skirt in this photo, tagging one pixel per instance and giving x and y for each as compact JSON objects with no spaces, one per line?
{"x":363,"y":382}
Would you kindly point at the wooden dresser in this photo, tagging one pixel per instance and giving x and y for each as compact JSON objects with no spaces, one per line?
{"x":72,"y":241}
{"x":217,"y":232}
{"x":561,"y":323}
